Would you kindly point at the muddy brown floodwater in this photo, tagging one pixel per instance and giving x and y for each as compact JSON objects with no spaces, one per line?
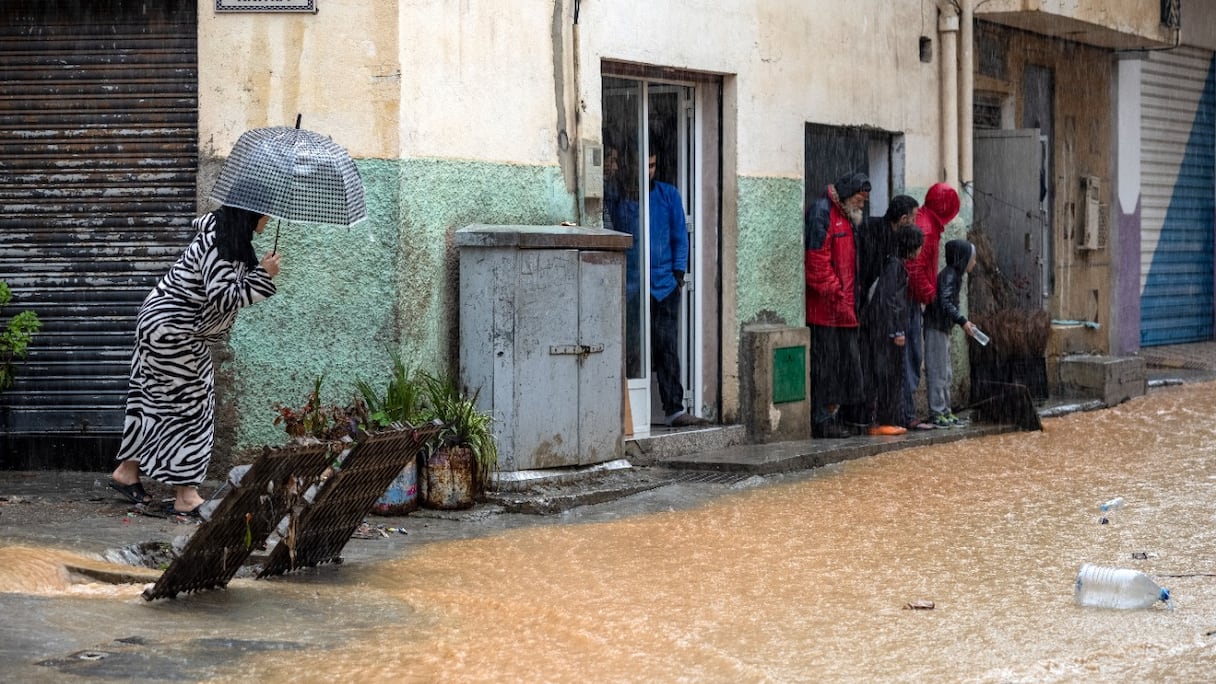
{"x":809,"y":579}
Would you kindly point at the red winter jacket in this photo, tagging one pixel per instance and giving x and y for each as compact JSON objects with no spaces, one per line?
{"x":830,"y":269}
{"x":940,"y":207}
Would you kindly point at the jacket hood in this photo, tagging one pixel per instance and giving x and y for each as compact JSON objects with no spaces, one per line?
{"x":942,"y":201}
{"x":958,"y":254}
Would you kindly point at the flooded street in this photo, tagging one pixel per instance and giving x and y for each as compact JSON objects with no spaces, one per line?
{"x":804,"y":579}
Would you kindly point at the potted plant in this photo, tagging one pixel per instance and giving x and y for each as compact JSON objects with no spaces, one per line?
{"x":457,"y":466}
{"x":400,"y":405}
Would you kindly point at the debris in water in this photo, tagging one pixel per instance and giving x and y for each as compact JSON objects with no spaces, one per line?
{"x":919,"y":605}
{"x":368,"y":531}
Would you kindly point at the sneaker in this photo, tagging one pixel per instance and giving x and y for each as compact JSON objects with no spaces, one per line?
{"x":917,"y":424}
{"x":941,"y":421}
{"x":887,"y":430}
{"x":955,"y":421}
{"x":686,"y":419}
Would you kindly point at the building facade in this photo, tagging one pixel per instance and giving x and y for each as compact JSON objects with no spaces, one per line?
{"x":459,"y":112}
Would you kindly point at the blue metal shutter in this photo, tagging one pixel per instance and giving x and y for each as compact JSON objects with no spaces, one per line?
{"x":1178,"y":171}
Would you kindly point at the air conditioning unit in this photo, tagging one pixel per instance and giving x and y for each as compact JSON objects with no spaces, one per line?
{"x":1093,"y":228}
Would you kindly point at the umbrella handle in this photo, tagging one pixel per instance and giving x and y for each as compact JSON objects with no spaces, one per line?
{"x":275,"y":249}
{"x":298,"y":115}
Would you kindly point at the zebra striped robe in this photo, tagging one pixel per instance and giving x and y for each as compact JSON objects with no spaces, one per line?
{"x":170,"y":416}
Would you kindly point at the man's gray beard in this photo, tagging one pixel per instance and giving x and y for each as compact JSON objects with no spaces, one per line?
{"x":855,"y":216}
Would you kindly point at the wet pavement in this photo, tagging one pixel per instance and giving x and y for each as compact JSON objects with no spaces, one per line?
{"x":75,"y":510}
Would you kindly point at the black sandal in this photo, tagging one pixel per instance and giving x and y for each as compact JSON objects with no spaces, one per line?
{"x":133,"y":492}
{"x":196,"y":512}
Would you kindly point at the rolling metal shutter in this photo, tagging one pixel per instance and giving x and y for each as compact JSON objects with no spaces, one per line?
{"x":98,"y":161}
{"x":1178,"y":153}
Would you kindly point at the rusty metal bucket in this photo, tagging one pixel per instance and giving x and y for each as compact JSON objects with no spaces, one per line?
{"x":449,"y":478}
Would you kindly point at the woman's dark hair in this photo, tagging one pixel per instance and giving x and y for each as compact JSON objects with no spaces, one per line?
{"x":900,"y":206}
{"x":234,"y":234}
{"x":908,"y":239}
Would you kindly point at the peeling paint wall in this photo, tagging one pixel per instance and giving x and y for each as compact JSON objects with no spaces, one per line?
{"x":459,"y":112}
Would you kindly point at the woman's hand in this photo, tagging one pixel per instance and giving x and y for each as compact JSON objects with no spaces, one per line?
{"x":270,"y":262}
{"x":899,"y":340}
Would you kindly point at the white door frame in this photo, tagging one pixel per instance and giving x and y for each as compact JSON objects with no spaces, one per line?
{"x":690,"y":139}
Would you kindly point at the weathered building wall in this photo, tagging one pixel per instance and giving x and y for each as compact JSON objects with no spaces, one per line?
{"x":784,"y":64}
{"x":450,"y":117}
{"x":1083,"y":133}
{"x":455,"y":113}
{"x":1199,"y":25}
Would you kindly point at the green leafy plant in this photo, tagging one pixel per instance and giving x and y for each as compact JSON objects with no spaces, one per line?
{"x":14,"y":337}
{"x":463,"y":424}
{"x":401,"y":403}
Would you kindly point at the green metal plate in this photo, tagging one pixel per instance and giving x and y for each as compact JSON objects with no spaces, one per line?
{"x":789,"y":374}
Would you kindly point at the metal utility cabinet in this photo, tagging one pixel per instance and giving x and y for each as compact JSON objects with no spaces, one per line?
{"x":542,"y":339}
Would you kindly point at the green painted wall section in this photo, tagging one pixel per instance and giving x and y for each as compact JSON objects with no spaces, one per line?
{"x":348,"y":297}
{"x":770,"y":251}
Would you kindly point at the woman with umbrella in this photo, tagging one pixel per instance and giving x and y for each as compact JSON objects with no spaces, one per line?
{"x":287,"y":173}
{"x":169,"y":428}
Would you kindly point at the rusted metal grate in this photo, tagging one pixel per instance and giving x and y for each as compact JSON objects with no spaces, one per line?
{"x":710,"y":477}
{"x":242,"y":520}
{"x":318,"y":533}
{"x":274,"y":492}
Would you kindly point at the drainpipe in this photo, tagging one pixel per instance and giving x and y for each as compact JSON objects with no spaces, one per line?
{"x":947,"y":29}
{"x":576,"y":135}
{"x":966,"y":93}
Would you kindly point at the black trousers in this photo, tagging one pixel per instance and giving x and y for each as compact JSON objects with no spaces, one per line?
{"x":836,"y":377}
{"x":665,"y":351}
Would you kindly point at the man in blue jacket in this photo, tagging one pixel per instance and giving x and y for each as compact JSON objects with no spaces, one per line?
{"x":668,"y":263}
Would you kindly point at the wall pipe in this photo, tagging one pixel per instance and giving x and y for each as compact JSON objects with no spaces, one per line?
{"x":947,"y":29}
{"x":966,"y":93}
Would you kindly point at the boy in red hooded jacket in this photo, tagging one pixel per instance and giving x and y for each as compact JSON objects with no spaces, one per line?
{"x":940,"y":207}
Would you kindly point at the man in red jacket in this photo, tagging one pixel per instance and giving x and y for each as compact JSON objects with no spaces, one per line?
{"x":830,"y":275}
{"x":940,"y":207}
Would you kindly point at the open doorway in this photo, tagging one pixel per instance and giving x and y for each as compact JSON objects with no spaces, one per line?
{"x":833,"y":151}
{"x":663,"y":121}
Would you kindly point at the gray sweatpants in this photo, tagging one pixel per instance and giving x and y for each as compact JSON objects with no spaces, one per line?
{"x":938,"y":372}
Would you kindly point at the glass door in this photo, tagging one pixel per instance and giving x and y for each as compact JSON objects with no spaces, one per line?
{"x":645,"y":120}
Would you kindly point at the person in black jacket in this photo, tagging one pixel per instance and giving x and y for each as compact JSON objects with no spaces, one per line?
{"x":876,"y":239}
{"x":884,"y":322}
{"x":941,"y":315}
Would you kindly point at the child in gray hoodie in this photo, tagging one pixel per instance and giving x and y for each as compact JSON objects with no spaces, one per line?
{"x":941,"y":315}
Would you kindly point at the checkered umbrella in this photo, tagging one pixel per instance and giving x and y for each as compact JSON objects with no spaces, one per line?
{"x":294,"y":175}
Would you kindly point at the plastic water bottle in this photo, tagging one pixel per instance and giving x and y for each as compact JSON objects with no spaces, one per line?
{"x":979,"y":336}
{"x":1104,"y":587}
{"x":1109,"y":507}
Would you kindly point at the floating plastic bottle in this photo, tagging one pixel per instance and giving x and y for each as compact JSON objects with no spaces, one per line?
{"x":1104,"y":587}
{"x":1109,"y":507}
